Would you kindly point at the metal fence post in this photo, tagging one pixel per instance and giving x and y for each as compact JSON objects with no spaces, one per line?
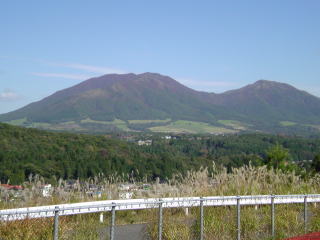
{"x":201,"y":219}
{"x":272,"y":217}
{"x":56,"y":223}
{"x":305,"y":214}
{"x":113,"y":220}
{"x":238,"y":219}
{"x":160,"y":221}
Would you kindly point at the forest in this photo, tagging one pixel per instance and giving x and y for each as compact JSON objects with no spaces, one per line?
{"x":55,"y":155}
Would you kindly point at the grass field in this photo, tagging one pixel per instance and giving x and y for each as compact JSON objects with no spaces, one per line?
{"x":149,"y":121}
{"x":70,"y":125}
{"x":234,"y":124}
{"x":40,"y":125}
{"x":287,"y":123}
{"x":17,"y":122}
{"x":182,"y":126}
{"x":116,"y":122}
{"x":88,"y":120}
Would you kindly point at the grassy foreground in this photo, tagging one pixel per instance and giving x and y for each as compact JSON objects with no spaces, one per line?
{"x":220,"y":222}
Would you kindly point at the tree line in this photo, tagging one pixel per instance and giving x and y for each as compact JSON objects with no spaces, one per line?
{"x":25,"y":151}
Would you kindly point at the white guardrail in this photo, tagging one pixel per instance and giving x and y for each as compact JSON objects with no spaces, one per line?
{"x":136,"y":204}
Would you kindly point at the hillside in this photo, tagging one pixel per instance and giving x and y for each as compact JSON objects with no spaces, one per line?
{"x":153,"y":102}
{"x":273,"y":101}
{"x":25,"y":151}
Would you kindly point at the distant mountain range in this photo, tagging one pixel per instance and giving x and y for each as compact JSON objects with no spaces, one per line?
{"x":153,"y":102}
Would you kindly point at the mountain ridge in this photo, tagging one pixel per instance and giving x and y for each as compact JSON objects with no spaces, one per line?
{"x":152,"y":96}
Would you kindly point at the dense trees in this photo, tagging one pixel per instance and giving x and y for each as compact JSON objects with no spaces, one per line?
{"x":316,"y":163}
{"x":278,"y":156}
{"x":63,"y":155}
{"x":69,"y":156}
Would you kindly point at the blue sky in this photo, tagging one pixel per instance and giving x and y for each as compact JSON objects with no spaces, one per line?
{"x":207,"y":45}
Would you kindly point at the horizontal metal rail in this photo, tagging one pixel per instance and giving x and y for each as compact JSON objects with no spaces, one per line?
{"x":136,"y":204}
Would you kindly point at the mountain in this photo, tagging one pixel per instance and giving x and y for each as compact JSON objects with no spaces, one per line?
{"x":151,"y":101}
{"x":127,"y":96}
{"x":272,"y":101}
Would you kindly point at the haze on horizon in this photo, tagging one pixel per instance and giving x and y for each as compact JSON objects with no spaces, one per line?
{"x":211,"y":46}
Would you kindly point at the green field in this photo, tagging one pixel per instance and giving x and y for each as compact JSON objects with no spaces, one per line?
{"x":17,"y":122}
{"x":40,"y":125}
{"x":58,"y":126}
{"x":234,"y":124}
{"x":88,"y":120}
{"x":149,"y":121}
{"x":116,"y":122}
{"x":287,"y":123}
{"x":182,"y":126}
{"x":70,"y":125}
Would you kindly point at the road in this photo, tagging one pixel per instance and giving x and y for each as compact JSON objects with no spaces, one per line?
{"x":125,"y":232}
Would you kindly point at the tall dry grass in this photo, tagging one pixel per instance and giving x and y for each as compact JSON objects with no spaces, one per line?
{"x":220,"y":222}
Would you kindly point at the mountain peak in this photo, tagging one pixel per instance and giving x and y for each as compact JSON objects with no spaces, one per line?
{"x":265,"y":81}
{"x":150,"y":74}
{"x":111,"y":98}
{"x":269,"y":85}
